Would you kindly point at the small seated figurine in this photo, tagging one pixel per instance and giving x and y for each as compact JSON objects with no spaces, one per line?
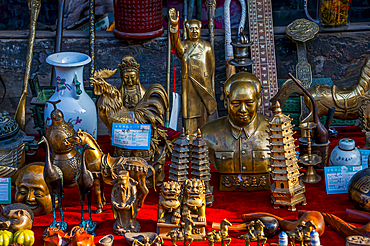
{"x":255,"y":233}
{"x":170,"y":202}
{"x":124,"y":204}
{"x":194,"y":199}
{"x":238,"y":142}
{"x":32,"y":190}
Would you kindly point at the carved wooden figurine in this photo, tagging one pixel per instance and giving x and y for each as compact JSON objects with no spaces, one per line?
{"x":124,"y":204}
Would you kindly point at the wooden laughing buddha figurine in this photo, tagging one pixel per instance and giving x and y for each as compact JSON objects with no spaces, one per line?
{"x":238,"y":142}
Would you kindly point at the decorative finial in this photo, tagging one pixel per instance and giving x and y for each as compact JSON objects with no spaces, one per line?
{"x":199,"y":133}
{"x":277,"y":108}
{"x":182,"y":132}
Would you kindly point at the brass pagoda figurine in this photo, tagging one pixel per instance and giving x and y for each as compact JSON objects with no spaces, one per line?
{"x":180,"y":159}
{"x":287,"y":189}
{"x":200,"y":165}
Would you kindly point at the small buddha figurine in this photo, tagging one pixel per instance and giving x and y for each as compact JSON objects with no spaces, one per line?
{"x":131,"y":89}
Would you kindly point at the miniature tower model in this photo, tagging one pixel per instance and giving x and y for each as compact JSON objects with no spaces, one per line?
{"x":180,"y":159}
{"x":287,"y":189}
{"x":200,"y":165}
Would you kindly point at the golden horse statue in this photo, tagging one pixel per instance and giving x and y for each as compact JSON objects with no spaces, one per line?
{"x":346,"y":101}
{"x":103,"y":167}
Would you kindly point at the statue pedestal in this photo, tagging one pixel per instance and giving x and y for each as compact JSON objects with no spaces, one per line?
{"x":198,"y":231}
{"x":245,"y":182}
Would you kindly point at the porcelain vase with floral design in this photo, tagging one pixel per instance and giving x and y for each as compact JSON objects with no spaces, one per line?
{"x":78,"y":108}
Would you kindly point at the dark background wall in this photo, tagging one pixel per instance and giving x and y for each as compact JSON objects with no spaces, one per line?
{"x":14,"y":12}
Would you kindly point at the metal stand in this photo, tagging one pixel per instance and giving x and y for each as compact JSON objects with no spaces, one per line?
{"x":310,"y":160}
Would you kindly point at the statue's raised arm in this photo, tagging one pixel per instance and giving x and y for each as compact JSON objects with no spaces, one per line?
{"x":176,"y":42}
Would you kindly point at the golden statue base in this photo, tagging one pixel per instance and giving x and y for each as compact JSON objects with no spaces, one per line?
{"x":198,"y":230}
{"x":245,"y":182}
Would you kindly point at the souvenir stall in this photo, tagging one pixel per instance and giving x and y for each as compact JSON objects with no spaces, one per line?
{"x":185,"y":123}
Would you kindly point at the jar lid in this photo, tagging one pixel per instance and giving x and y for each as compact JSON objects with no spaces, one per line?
{"x":347,"y":144}
{"x":8,"y":126}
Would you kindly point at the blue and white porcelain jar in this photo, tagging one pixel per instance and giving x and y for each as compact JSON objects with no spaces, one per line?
{"x":78,"y":108}
{"x":345,"y":153}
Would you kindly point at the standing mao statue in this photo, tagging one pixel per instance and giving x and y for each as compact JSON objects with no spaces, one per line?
{"x":131,"y":89}
{"x":199,"y":105}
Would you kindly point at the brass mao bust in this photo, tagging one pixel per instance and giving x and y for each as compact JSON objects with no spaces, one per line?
{"x":238,"y":142}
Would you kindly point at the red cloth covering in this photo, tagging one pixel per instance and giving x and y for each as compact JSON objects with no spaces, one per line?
{"x":230,"y":205}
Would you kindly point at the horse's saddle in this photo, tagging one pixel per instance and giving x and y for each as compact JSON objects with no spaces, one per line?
{"x":344,"y":98}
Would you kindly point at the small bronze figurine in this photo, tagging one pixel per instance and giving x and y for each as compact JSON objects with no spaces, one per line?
{"x":188,"y":230}
{"x":131,"y":89}
{"x":15,"y":217}
{"x":255,"y":233}
{"x":85,"y":182}
{"x":53,"y":177}
{"x":220,"y":236}
{"x":194,"y":200}
{"x":238,"y":142}
{"x":301,"y":233}
{"x":175,"y":235}
{"x":31,"y":189}
{"x":197,"y":69}
{"x":124,"y":204}
{"x":170,"y":203}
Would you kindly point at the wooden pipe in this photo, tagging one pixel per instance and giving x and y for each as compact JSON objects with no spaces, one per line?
{"x":287,"y":225}
{"x":357,"y":216}
{"x":238,"y":227}
{"x":321,"y":135}
{"x":345,"y":229}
